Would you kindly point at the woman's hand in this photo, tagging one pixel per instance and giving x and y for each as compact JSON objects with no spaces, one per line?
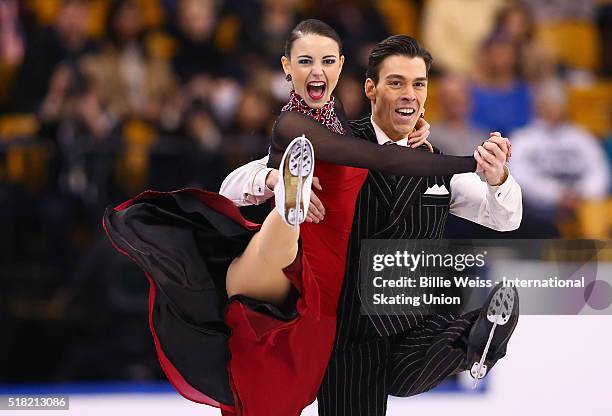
{"x":420,"y":134}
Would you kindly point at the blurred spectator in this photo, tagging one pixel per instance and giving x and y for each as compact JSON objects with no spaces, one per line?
{"x":248,"y":135}
{"x":359,"y":24}
{"x":202,"y":131}
{"x":65,"y":42}
{"x":516,"y":22}
{"x":562,"y":10}
{"x":350,"y":92}
{"x":453,"y":134}
{"x":193,"y":157}
{"x":453,"y":30}
{"x":501,"y":100}
{"x":195,"y":26}
{"x":264,"y":31}
{"x":73,"y":117}
{"x":200,"y":127}
{"x":207,"y":74}
{"x":133,"y":84}
{"x":604,"y":25}
{"x":73,"y":100}
{"x":11,"y":46}
{"x":607,"y":145}
{"x":557,"y":163}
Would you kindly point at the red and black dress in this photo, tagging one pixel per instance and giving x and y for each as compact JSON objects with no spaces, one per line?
{"x":245,"y":356}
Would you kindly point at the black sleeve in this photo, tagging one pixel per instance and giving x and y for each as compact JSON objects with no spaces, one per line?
{"x":348,"y":151}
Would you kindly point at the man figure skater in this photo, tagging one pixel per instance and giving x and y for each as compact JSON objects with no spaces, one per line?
{"x":380,"y":355}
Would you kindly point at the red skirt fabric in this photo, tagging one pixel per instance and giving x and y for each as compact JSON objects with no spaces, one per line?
{"x":242,"y":355}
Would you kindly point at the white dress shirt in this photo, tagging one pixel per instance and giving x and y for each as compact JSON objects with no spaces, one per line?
{"x":497,"y":207}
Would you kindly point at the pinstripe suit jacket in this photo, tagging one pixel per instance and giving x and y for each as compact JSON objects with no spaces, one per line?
{"x":386,"y":208}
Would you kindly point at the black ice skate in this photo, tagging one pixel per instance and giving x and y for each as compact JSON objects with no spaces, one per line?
{"x":492,"y":330}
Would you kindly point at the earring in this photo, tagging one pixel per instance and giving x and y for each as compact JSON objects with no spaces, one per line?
{"x":288,"y":77}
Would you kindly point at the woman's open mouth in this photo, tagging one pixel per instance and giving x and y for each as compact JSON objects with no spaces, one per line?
{"x":316,"y":89}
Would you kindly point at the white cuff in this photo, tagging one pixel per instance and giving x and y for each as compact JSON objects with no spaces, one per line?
{"x":259,"y":187}
{"x":501,"y":191}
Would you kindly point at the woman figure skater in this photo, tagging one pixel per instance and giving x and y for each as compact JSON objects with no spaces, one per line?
{"x":243,"y":315}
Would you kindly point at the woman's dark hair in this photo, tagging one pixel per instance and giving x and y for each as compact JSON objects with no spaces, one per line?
{"x":395,"y":45}
{"x":311,"y":27}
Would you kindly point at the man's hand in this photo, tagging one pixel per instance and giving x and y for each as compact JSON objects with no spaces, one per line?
{"x":316,"y":210}
{"x":420,"y":134}
{"x":491,"y":157}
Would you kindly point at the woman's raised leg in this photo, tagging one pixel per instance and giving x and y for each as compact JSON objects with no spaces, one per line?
{"x":258,"y":272}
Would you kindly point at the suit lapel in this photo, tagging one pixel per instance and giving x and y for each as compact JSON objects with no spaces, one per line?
{"x":381,"y":187}
{"x":408,"y":189}
{"x":397,"y":197}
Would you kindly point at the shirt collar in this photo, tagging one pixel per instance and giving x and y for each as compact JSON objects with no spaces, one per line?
{"x":382,"y":137}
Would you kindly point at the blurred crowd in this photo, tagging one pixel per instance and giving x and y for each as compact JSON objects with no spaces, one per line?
{"x":101,"y":99}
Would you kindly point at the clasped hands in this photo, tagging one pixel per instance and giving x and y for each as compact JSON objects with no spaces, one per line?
{"x":491,"y":157}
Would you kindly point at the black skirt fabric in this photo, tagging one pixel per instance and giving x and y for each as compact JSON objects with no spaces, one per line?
{"x":185,"y":241}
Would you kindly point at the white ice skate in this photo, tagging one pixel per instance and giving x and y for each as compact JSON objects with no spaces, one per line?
{"x":292,"y":192}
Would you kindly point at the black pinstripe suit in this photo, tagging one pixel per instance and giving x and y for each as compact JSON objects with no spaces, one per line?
{"x":401,"y":355}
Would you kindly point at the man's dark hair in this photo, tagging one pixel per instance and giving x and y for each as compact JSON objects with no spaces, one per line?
{"x":395,"y":45}
{"x":311,"y":27}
